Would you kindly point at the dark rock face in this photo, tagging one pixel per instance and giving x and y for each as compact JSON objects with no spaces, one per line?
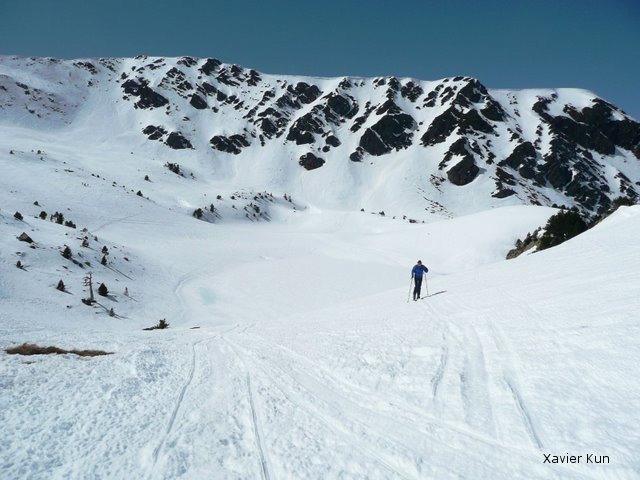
{"x":333,"y":141}
{"x":472,"y":92}
{"x":472,"y":122}
{"x":441,"y":127}
{"x":302,"y":129}
{"x":87,"y":66}
{"x":568,"y":152}
{"x":625,"y":133}
{"x":177,"y":141}
{"x":390,"y":132}
{"x":503,"y":177}
{"x":233,"y":144}
{"x":198,"y":102}
{"x":493,"y":111}
{"x":339,"y":107}
{"x":411,"y":91}
{"x":463,"y":172}
{"x":310,"y":161}
{"x":466,"y":170}
{"x":582,"y":134}
{"x":523,"y":159}
{"x":210,"y":66}
{"x":357,"y":155}
{"x":147,"y":97}
{"x":154,"y":132}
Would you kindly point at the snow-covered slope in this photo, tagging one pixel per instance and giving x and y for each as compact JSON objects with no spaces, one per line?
{"x":309,"y":363}
{"x":407,"y":147}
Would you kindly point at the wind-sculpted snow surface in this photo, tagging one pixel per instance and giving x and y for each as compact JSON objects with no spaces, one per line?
{"x":377,"y":138}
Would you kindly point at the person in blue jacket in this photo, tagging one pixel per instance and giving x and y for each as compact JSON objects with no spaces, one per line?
{"x":416,"y":273}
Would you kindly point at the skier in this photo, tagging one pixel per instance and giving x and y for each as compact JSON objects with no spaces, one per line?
{"x":416,"y":274}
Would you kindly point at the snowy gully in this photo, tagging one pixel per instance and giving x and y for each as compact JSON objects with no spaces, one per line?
{"x":589,"y":458}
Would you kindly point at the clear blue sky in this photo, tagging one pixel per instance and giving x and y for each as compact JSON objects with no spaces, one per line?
{"x":592,"y":44}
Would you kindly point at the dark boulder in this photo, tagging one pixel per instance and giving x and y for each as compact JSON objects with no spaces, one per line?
{"x":177,"y":141}
{"x":503,"y":193}
{"x":464,"y":172}
{"x":154,"y":132}
{"x":357,"y":155}
{"x":310,"y":161}
{"x":232,"y":144}
{"x":333,"y":141}
{"x":25,"y":238}
{"x":198,"y":102}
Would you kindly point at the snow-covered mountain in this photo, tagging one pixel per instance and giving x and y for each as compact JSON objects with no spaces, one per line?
{"x":292,"y":350}
{"x":399,"y":145}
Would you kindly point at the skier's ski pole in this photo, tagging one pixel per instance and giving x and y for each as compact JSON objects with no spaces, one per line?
{"x":409,"y":295}
{"x":426,"y":284}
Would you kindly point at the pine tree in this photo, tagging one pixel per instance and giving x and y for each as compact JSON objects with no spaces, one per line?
{"x":103,"y":290}
{"x":61,"y":286}
{"x":66,"y":253}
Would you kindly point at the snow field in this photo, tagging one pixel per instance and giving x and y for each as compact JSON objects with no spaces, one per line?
{"x":309,"y":362}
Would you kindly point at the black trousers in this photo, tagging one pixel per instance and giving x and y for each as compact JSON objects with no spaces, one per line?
{"x":417,"y":287}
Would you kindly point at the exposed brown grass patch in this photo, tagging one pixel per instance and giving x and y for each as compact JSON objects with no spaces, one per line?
{"x":33,"y":349}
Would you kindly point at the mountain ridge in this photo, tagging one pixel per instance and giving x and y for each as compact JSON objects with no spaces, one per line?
{"x":430,"y":144}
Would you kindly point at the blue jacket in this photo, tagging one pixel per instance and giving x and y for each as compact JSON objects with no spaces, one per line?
{"x":418,"y":270}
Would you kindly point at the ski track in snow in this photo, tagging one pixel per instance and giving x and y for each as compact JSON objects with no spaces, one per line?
{"x":178,"y":404}
{"x":327,"y":416}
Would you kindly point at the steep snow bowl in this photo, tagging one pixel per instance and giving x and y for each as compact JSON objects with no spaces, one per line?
{"x":309,"y":362}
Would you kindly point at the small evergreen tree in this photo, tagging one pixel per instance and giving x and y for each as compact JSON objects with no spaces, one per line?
{"x":66,"y":253}
{"x":103,"y":290}
{"x":18,"y":216}
{"x":19,"y":265}
{"x":104,"y":260}
{"x":43,"y":215}
{"x":112,"y":313}
{"x":61,"y":286}
{"x":105,"y":250}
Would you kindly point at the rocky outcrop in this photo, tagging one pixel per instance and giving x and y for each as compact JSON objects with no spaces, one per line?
{"x":233,"y":144}
{"x":393,"y":131}
{"x":147,"y":98}
{"x":310,"y":161}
